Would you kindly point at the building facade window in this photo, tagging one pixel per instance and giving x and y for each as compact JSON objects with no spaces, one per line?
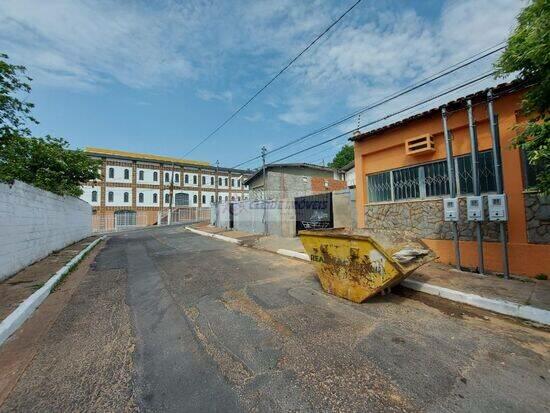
{"x":194,"y":199}
{"x":430,"y":180}
{"x":126,"y":174}
{"x":155,"y":176}
{"x":140,"y":197}
{"x":204,"y":180}
{"x":194,"y":179}
{"x":219,"y":198}
{"x":111,"y":172}
{"x":155,"y":198}
{"x":126,"y":197}
{"x":166,"y":198}
{"x":211,"y":198}
{"x":186,"y":178}
{"x":110,"y":196}
{"x":232,"y":182}
{"x":238,"y":183}
{"x":177,"y":177}
{"x":219,"y":181}
{"x":226,"y":181}
{"x":141,"y":175}
{"x":211,"y":180}
{"x":94,"y":196}
{"x":166,"y":177}
{"x":204,"y":199}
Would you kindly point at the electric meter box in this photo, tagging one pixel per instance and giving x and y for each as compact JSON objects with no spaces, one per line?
{"x":450,"y":209}
{"x":474,"y":208}
{"x":498,"y":210}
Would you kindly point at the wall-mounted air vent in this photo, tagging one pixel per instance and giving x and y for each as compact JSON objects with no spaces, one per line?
{"x":420,"y":145}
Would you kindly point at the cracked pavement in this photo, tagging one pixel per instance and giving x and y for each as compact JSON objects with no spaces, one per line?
{"x":166,"y":320}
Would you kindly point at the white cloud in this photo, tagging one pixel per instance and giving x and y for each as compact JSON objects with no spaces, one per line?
{"x":208,"y":95}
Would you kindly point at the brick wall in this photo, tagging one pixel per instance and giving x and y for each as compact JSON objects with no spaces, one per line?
{"x":319,"y":184}
{"x":37,"y":222}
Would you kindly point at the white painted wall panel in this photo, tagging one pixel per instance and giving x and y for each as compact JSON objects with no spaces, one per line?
{"x":118,"y":174}
{"x":148,"y":176}
{"x":87,"y":195}
{"x":118,"y":196}
{"x":148,"y":197}
{"x":34,"y":223}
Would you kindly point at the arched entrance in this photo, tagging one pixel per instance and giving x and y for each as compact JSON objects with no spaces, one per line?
{"x":181,"y":199}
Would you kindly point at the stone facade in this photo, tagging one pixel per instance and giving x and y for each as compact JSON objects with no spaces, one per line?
{"x":425,"y":219}
{"x":537,"y":215}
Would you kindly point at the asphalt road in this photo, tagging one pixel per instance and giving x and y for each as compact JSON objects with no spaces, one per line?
{"x":166,"y":320}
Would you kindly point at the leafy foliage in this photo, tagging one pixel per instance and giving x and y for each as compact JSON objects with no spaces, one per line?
{"x":343,"y":157}
{"x":528,"y":52}
{"x":46,"y":163}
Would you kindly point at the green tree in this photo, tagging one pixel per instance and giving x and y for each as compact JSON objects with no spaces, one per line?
{"x":46,"y":163}
{"x":343,"y":157}
{"x":528,"y":53}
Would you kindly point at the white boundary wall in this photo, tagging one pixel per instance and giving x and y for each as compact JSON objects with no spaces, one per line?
{"x":34,"y":223}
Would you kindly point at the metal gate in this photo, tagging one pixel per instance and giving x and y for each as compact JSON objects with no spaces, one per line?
{"x":124,"y":219}
{"x":231,"y":215}
{"x":314,"y":211}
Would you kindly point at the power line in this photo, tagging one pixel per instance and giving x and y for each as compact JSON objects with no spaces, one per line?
{"x":226,"y":121}
{"x":432,"y":78}
{"x":422,"y":102}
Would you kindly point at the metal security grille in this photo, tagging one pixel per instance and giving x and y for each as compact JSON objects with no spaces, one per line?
{"x":379,"y":187}
{"x":314,"y":212}
{"x":430,"y":180}
{"x":436,"y":179}
{"x":486,"y":173}
{"x":406,"y":183}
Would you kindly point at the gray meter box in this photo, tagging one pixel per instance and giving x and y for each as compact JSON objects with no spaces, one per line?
{"x":474,"y":208}
{"x":450,"y":209}
{"x":498,"y":210}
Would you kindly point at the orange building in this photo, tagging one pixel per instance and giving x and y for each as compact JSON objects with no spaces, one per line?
{"x":398,"y":188}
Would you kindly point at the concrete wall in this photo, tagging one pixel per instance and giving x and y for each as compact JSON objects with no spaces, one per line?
{"x":34,"y":223}
{"x":343,"y":208}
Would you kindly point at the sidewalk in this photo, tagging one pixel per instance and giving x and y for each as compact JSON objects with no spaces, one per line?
{"x":436,"y":278}
{"x":22,"y":285}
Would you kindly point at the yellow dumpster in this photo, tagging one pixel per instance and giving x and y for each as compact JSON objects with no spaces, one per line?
{"x":357,"y":265}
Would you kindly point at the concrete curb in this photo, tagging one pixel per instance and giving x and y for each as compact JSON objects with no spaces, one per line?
{"x":208,"y":234}
{"x":294,"y":254}
{"x":526,"y":312}
{"x":12,"y":322}
{"x":510,"y":308}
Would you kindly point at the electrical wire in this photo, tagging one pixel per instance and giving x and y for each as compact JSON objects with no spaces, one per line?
{"x":420,"y":103}
{"x":432,"y":78}
{"x":235,"y":113}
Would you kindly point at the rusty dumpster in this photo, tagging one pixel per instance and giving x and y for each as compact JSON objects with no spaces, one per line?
{"x":356,"y":265}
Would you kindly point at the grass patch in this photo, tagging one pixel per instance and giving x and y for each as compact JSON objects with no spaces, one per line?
{"x":71,"y":269}
{"x":541,"y":277}
{"x":37,"y":286}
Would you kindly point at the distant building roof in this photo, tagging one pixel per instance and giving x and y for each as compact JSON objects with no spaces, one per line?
{"x":347,"y":167}
{"x":142,"y":156}
{"x":498,"y":90}
{"x":288,"y":165}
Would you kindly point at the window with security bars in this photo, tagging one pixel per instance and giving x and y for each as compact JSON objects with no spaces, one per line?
{"x":379,"y":187}
{"x":486,"y":173}
{"x":406,"y":183}
{"x":430,"y":180}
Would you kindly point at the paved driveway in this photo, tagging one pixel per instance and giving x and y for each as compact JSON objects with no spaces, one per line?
{"x":203,"y":325}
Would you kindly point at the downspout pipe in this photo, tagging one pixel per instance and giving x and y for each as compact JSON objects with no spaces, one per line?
{"x":452,"y":181}
{"x":475,"y":180}
{"x":497,"y":163}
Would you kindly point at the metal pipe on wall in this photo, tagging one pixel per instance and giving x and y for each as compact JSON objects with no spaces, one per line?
{"x":452,"y":181}
{"x":475,"y":180}
{"x":497,"y":162}
{"x":264,"y":151}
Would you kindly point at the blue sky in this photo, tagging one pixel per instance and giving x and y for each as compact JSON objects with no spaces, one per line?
{"x":157,"y":76}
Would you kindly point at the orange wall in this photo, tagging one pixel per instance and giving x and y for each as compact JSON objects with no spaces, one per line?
{"x":386,"y":150}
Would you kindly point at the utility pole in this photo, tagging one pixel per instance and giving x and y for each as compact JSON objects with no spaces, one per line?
{"x":216,"y":186}
{"x":171,"y":195}
{"x":264,"y":152}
